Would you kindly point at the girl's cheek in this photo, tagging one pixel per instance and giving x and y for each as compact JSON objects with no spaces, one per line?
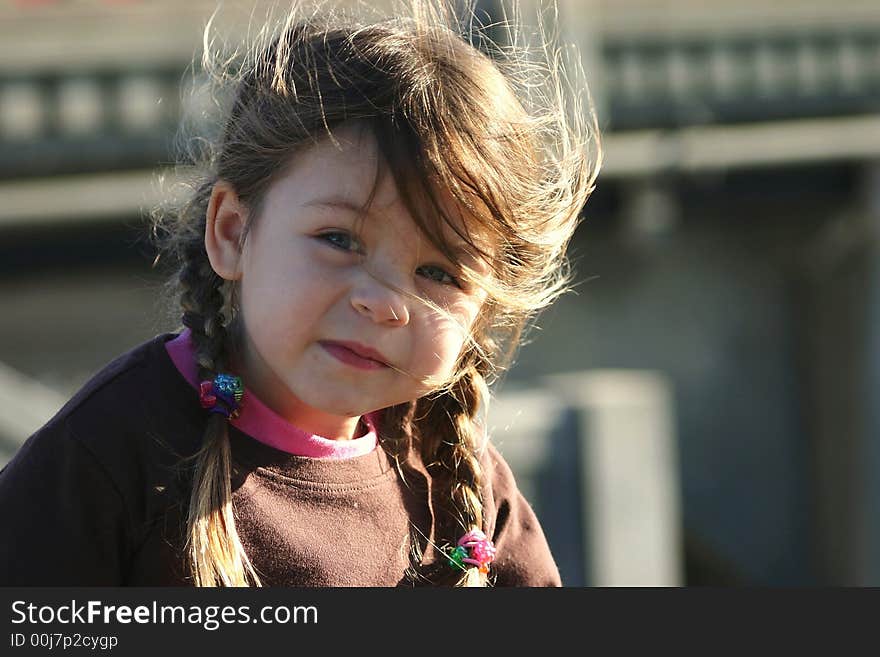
{"x":434,"y":324}
{"x":455,"y":325}
{"x":448,"y":343}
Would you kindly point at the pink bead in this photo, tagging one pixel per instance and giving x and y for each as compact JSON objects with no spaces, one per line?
{"x":472,"y":536}
{"x":481,"y":551}
{"x":484,"y":552}
{"x":208,"y":400}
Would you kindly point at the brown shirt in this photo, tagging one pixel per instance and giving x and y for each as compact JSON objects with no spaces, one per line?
{"x":98,"y":497}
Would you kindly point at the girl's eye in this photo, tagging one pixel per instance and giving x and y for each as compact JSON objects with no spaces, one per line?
{"x":438,"y":275}
{"x":342,"y":240}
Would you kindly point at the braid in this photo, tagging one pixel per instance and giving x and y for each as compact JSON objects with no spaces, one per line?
{"x":396,"y":438}
{"x":215,"y":554}
{"x":396,"y":433}
{"x":450,"y":443}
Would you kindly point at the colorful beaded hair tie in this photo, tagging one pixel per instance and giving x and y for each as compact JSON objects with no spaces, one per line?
{"x":222,"y":395}
{"x":473,"y":549}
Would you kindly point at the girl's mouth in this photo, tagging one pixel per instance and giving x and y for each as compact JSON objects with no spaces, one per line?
{"x":354,"y":354}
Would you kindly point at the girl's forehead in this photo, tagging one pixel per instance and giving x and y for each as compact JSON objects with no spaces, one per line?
{"x":346,"y":170}
{"x":345,"y":161}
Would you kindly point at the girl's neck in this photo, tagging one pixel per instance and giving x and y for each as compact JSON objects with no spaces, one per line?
{"x":317,"y":423}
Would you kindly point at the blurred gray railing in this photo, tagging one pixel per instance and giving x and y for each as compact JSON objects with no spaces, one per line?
{"x":56,"y":122}
{"x":59,"y":122}
{"x":732,"y":78}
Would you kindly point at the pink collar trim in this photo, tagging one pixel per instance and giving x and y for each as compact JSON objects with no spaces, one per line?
{"x":263,"y":424}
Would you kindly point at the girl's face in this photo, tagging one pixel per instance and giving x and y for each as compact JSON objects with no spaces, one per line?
{"x":343,"y":314}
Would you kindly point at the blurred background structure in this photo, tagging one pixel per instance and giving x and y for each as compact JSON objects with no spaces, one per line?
{"x":698,"y":412}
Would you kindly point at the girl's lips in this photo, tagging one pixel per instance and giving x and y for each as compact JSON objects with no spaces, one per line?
{"x":348,"y":356}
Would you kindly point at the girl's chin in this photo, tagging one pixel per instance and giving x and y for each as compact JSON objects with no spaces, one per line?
{"x":345,"y":408}
{"x":345,"y":401}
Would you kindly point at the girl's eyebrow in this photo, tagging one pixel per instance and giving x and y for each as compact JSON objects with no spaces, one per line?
{"x":341,"y":203}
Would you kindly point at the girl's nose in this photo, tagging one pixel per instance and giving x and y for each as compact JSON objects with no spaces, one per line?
{"x":380,"y":303}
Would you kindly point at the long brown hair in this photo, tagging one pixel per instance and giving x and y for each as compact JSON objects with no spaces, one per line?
{"x":504,"y":135}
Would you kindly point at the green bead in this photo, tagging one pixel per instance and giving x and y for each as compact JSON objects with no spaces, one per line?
{"x":239,"y":389}
{"x":456,"y":556}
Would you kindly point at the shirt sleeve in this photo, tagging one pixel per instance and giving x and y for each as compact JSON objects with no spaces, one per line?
{"x":64,"y":521}
{"x":523,"y":556}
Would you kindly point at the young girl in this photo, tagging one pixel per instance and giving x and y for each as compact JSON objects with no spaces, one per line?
{"x":383,"y":212}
